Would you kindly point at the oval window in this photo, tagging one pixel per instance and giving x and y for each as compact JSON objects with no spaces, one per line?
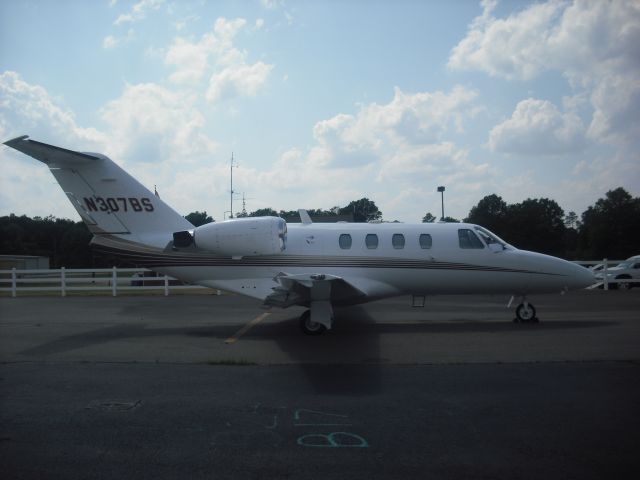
{"x":371,"y":241}
{"x":397,"y":241}
{"x":425,"y":241}
{"x":345,"y":241}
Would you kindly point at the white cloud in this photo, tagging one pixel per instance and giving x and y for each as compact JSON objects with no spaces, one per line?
{"x":190,"y":59}
{"x":538,"y":127}
{"x":616,"y":100}
{"x":152,"y":130}
{"x":150,"y":123}
{"x":271,"y":4}
{"x":184,"y":22}
{"x":27,"y":109}
{"x":593,"y":44}
{"x":512,"y":48}
{"x":426,"y":160}
{"x":214,"y":55}
{"x":389,"y":152}
{"x":138,"y":11}
{"x":110,"y":42}
{"x":407,"y":120}
{"x":227,"y":29}
{"x":239,"y":79}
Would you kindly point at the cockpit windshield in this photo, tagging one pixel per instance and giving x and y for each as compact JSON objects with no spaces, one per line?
{"x":490,"y":238}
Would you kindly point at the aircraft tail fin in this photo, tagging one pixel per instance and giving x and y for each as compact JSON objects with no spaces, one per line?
{"x":109,"y":200}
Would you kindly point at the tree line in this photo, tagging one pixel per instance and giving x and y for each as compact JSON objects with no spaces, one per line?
{"x":363,"y":210}
{"x":610,"y":228}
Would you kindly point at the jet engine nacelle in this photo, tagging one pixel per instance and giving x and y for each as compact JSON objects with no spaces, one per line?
{"x":238,"y":238}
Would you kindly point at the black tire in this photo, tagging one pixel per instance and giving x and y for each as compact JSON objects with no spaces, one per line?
{"x":308,"y":327}
{"x":624,"y":285}
{"x":526,"y":313}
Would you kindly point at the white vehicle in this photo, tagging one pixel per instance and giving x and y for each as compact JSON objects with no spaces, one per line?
{"x":628,"y":270}
{"x":313,"y":265}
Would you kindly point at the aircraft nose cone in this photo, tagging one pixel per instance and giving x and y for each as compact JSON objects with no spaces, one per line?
{"x":580,"y":277}
{"x":561,"y":274}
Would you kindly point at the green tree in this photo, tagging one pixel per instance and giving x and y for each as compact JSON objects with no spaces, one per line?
{"x":65,"y":242}
{"x":288,"y":213}
{"x":74,"y":249}
{"x":571,"y":236}
{"x":363,"y":210}
{"x":536,"y":224}
{"x":199,"y":218}
{"x":611,"y":227}
{"x":491,"y":213}
{"x":319,"y":212}
{"x":264,"y":212}
{"x":571,"y":220}
{"x":428,"y":218}
{"x":450,"y":220}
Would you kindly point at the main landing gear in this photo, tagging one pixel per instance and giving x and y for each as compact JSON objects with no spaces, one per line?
{"x":310,"y":327}
{"x":525,"y":313}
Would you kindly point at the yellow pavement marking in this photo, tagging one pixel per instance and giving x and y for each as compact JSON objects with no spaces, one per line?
{"x":246,"y":328}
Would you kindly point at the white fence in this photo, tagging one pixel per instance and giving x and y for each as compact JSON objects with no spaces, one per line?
{"x":116,"y":280}
{"x":63,"y":280}
{"x":604,"y":265}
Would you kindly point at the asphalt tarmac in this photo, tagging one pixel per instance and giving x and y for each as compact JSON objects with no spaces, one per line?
{"x":206,"y":386}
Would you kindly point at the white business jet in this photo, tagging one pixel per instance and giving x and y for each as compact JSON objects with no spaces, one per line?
{"x":313,"y":265}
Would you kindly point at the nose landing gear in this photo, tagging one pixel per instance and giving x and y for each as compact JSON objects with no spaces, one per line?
{"x":525,"y":313}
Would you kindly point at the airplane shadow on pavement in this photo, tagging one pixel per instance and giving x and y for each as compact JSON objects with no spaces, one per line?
{"x":123,"y":332}
{"x":353,"y":339}
{"x":344,"y":360}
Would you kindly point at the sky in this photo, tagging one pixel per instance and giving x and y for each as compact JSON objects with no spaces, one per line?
{"x":325,"y":102}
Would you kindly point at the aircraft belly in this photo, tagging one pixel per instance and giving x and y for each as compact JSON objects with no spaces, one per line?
{"x":455,"y":281}
{"x":249,"y":281}
{"x":377,"y":283}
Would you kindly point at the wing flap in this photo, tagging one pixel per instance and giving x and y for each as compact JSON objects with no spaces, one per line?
{"x":303,"y":288}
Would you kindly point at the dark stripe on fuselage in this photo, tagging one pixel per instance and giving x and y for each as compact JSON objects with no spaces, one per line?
{"x":147,"y":258}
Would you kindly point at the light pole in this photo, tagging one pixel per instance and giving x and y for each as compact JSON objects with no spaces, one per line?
{"x":232,"y":192}
{"x":441,"y":190}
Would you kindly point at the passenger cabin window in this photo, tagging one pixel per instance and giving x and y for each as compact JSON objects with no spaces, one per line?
{"x":425,"y":241}
{"x":345,"y":241}
{"x":371,"y":241}
{"x":468,"y":239}
{"x":397,"y":241}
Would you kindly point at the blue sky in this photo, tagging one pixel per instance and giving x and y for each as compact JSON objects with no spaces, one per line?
{"x":325,"y":102}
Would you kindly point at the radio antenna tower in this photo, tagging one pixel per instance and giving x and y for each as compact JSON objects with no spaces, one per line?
{"x":244,"y":204}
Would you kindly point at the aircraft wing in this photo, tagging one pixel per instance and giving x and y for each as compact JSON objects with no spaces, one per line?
{"x":305,"y":288}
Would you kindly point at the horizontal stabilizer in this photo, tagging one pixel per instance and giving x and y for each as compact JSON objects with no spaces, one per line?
{"x":49,"y":154}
